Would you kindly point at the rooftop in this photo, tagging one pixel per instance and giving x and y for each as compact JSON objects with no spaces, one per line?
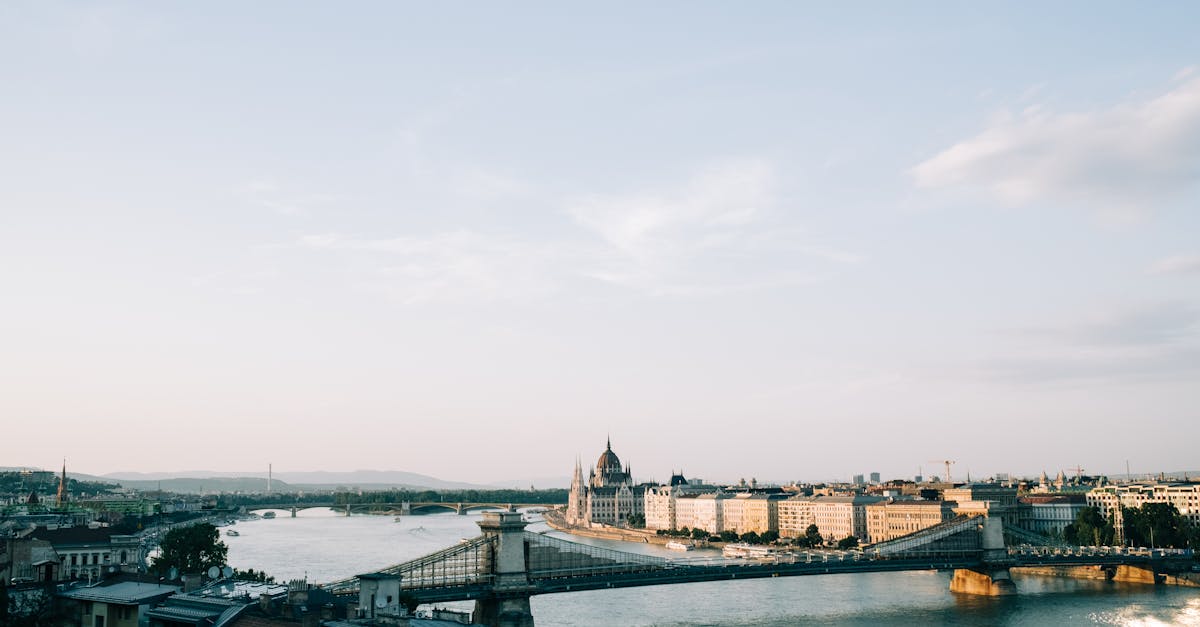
{"x":124,"y":593}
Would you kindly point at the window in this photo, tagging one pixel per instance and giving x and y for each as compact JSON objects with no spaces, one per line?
{"x":99,"y":621}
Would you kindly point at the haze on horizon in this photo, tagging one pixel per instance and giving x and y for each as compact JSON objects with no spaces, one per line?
{"x":780,"y":241}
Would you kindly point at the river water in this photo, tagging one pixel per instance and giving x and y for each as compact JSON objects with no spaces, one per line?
{"x":325,"y":546}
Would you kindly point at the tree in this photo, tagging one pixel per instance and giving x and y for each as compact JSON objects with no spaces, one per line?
{"x":699,"y":534}
{"x":252,"y":575}
{"x":637,"y":521}
{"x":768,"y":537}
{"x":1158,"y":525}
{"x":191,"y":549}
{"x":849,"y":542}
{"x":750,"y":538}
{"x":1089,"y":529}
{"x":813,"y":535}
{"x":729,"y":535}
{"x":31,"y":608}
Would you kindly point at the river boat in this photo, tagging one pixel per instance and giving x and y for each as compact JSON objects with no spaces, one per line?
{"x":268,"y":514}
{"x":751,"y":551}
{"x":676,"y":545}
{"x":232,"y":533}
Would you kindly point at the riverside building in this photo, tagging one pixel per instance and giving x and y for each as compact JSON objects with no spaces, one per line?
{"x":1184,"y":495}
{"x":608,"y":496}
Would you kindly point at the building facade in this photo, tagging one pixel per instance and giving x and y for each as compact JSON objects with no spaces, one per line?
{"x":837,"y":517}
{"x":889,"y":520}
{"x":795,"y":515}
{"x":1184,"y":495}
{"x":1049,"y":515}
{"x":608,"y":496}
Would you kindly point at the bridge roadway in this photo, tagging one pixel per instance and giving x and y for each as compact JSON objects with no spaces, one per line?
{"x":702,"y":570}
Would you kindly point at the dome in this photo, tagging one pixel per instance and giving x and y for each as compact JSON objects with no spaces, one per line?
{"x":608,"y":463}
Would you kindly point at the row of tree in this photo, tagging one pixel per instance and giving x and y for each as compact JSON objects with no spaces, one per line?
{"x":1158,"y":525}
{"x":811,"y":538}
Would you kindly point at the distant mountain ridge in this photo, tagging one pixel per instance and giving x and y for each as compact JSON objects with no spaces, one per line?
{"x":210,"y":481}
{"x":314,"y":480}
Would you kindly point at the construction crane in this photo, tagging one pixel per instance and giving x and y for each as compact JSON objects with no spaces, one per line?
{"x":948,"y":463}
{"x":1078,"y":473}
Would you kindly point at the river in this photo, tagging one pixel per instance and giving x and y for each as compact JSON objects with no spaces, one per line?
{"x":323,"y":546}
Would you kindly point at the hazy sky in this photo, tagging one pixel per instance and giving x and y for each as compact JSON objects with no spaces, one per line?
{"x":780,"y":240}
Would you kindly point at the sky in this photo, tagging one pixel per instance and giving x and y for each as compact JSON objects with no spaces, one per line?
{"x":787,"y":241}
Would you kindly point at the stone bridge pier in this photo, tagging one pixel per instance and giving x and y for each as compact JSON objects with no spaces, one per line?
{"x":993,"y":577}
{"x":508,"y":603}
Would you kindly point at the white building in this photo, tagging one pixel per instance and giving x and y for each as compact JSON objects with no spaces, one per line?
{"x":1049,"y":515}
{"x":837,"y":517}
{"x":1184,"y":495}
{"x":795,"y":515}
{"x":660,"y":503}
{"x":709,"y":513}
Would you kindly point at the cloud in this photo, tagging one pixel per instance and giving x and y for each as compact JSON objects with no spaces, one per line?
{"x":718,"y":232}
{"x":1158,"y":324}
{"x":451,"y":266}
{"x":270,"y":195}
{"x":721,"y":230}
{"x":1177,"y":264}
{"x":1122,"y":160}
{"x":717,"y":200}
{"x":1147,"y":342}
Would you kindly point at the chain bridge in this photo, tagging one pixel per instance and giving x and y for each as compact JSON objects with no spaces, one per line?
{"x":504,"y":566}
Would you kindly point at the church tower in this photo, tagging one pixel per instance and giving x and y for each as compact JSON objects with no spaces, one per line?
{"x":61,"y":499}
{"x":577,"y":501}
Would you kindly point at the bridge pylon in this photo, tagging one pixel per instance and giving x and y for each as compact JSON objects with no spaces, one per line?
{"x":508,"y":603}
{"x":993,"y":577}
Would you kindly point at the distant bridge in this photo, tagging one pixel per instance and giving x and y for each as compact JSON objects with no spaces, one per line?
{"x":504,"y":566}
{"x":397,"y":509}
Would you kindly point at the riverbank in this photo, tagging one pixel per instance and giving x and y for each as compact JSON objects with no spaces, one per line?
{"x":557,"y":521}
{"x":1123,"y":574}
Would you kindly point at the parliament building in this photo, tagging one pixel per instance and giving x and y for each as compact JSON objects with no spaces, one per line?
{"x":608,"y":496}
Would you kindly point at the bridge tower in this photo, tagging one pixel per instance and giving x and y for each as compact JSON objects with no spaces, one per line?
{"x":992,"y":578}
{"x":508,"y":603}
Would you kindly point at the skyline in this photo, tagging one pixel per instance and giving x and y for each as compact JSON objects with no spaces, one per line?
{"x":471,"y":241}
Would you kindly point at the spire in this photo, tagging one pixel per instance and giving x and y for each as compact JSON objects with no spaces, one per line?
{"x":608,"y":442}
{"x":62,"y":486}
